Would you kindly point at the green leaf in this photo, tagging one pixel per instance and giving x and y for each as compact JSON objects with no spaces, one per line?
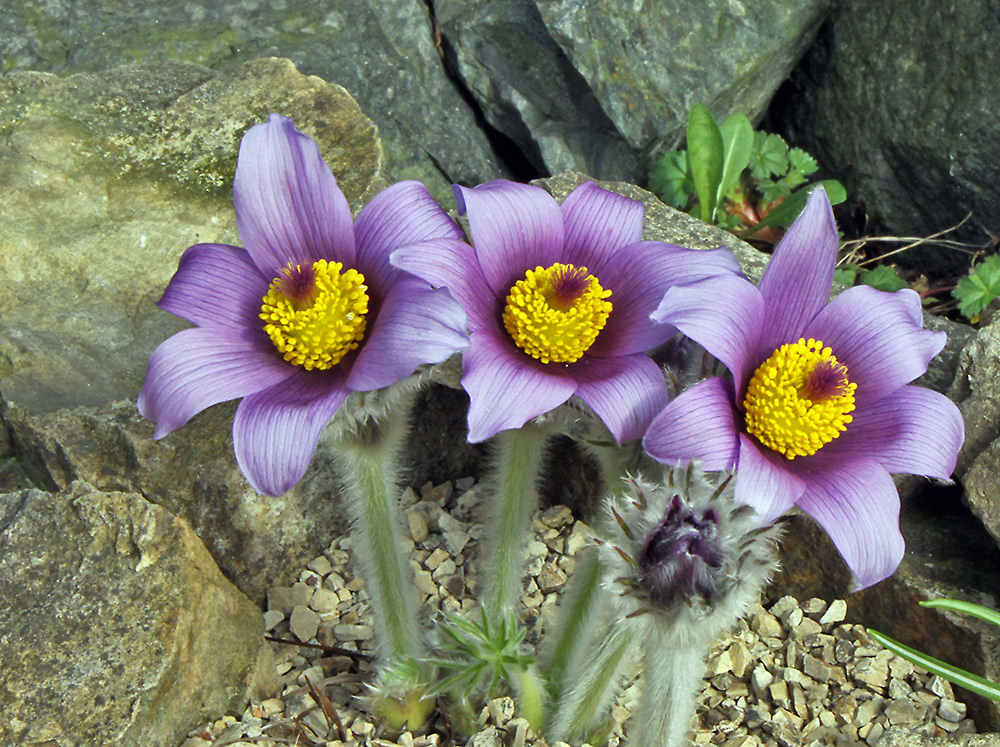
{"x":771,"y":191}
{"x":882,"y":278}
{"x":801,"y":162}
{"x":786,"y":213}
{"x":737,"y":144}
{"x":768,"y":157}
{"x":705,"y":156}
{"x":977,"y":289}
{"x":971,"y":682}
{"x":671,"y":179}
{"x":965,"y":608}
{"x":846,"y":275}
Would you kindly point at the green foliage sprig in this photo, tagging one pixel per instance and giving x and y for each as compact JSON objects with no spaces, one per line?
{"x":971,"y":682}
{"x":977,"y":289}
{"x":735,"y":177}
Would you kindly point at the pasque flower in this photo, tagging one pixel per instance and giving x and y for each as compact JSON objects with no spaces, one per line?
{"x":558,"y":298}
{"x":819,"y":409}
{"x":307,"y":313}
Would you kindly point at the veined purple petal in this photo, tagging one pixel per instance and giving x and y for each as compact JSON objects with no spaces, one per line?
{"x":913,"y":430}
{"x":202,"y":366}
{"x":403,"y":214}
{"x":515,"y":228}
{"x":764,"y":480}
{"x":598,"y":223}
{"x":506,"y":388}
{"x":275,"y":431}
{"x":638,"y":276}
{"x":700,"y":423}
{"x":289,"y":208}
{"x":415,"y":325}
{"x":216,"y":285}
{"x":879,"y":337}
{"x":856,"y":502}
{"x":723,"y":314}
{"x":797,"y":281}
{"x":453,"y":265}
{"x":625,"y":392}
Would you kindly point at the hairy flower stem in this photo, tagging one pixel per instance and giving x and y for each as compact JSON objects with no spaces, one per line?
{"x":580,"y":615}
{"x":368,"y":463}
{"x":672,"y":672}
{"x":515,"y":474}
{"x":582,"y":706}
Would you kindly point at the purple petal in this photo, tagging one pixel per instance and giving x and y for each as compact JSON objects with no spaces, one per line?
{"x":913,"y":430}
{"x":275,"y":431}
{"x":638,"y":276}
{"x":797,"y":281}
{"x":415,"y":325}
{"x":202,"y":366}
{"x":723,"y":314}
{"x":856,"y":502}
{"x":453,"y":265}
{"x":289,"y":209}
{"x":764,"y":480}
{"x":625,"y":392}
{"x":507,"y":388}
{"x":403,"y":214}
{"x":879,"y":337}
{"x":598,"y":223}
{"x":700,"y":423}
{"x":514,"y":227}
{"x":216,"y":284}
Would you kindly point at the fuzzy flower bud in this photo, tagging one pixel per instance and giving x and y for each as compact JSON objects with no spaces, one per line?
{"x":683,"y":546}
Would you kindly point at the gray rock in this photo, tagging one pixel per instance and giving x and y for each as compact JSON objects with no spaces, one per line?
{"x":600,"y":87}
{"x":117,"y":625}
{"x":919,"y":174}
{"x":256,"y":540}
{"x":530,"y":91}
{"x":382,"y":51}
{"x":107,"y":180}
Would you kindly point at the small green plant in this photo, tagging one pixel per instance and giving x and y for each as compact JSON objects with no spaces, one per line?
{"x":735,"y":177}
{"x":976,"y":290}
{"x":880,"y":277}
{"x":482,"y":656}
{"x":971,"y":682}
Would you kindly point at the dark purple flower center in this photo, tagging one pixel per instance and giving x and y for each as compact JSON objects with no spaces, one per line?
{"x":568,"y":285}
{"x":827,"y":380}
{"x":298,"y":284}
{"x":681,"y":554}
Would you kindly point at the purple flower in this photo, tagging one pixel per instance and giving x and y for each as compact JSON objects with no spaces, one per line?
{"x":818,"y":411}
{"x":558,"y":298}
{"x":310,"y":311}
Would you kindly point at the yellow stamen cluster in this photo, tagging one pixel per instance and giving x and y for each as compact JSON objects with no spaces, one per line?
{"x":556,"y":313}
{"x":798,"y":400}
{"x":315,"y":316}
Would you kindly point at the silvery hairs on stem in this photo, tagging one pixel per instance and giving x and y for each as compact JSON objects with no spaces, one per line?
{"x":684,"y":562}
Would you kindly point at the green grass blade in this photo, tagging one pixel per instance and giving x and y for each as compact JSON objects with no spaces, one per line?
{"x":705,"y":155}
{"x":971,"y":682}
{"x":965,"y":608}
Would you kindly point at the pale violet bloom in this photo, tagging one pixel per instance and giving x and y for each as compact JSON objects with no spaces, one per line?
{"x":310,"y":311}
{"x":558,"y":299}
{"x":819,"y":410}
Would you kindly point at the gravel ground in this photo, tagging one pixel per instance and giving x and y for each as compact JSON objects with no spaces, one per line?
{"x":791,"y":674}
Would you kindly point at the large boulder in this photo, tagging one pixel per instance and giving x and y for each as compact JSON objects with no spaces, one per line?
{"x":601,"y":87}
{"x":118,"y":628}
{"x":898,"y":98}
{"x":108,"y":178}
{"x":382,"y":51}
